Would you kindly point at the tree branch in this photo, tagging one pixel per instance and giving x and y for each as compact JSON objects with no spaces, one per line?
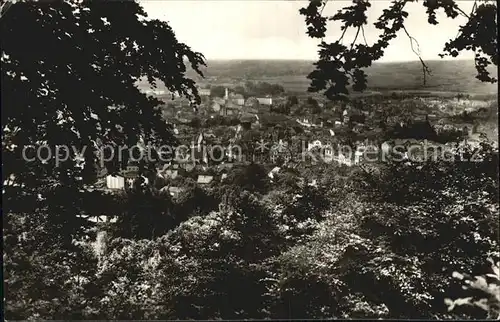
{"x":463,"y":13}
{"x":321,"y":12}
{"x":5,"y":6}
{"x":363,"y":33}
{"x":323,"y":8}
{"x":425,"y":69}
{"x":355,"y":37}
{"x":342,"y":36}
{"x":474,"y":7}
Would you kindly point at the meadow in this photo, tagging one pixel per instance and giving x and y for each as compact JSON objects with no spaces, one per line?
{"x":455,"y":76}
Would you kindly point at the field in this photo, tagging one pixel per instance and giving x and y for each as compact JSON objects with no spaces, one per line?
{"x":447,"y":76}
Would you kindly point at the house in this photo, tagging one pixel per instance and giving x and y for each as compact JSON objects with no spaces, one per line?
{"x":204,"y":179}
{"x":344,"y":159}
{"x":328,"y":153}
{"x":345,"y":116}
{"x":309,"y":123}
{"x":131,"y":181}
{"x":229,"y":111}
{"x":229,"y":108}
{"x":304,"y":122}
{"x":326,"y":150}
{"x":119,"y":182}
{"x":115,"y":182}
{"x":265,"y":101}
{"x":229,"y":100}
{"x":130,"y":173}
{"x":131,"y":168}
{"x":239,"y":101}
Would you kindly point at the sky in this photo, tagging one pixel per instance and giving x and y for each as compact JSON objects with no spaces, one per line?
{"x":273,"y":29}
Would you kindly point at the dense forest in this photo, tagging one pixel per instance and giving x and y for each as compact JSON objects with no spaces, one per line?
{"x":359,"y":245}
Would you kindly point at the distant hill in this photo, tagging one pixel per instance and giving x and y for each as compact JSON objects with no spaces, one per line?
{"x":447,"y":75}
{"x":257,"y":68}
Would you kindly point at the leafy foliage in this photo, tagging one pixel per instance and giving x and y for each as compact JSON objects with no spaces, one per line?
{"x":362,"y":246}
{"x":491,"y":290}
{"x":72,"y":81}
{"x":340,"y":65}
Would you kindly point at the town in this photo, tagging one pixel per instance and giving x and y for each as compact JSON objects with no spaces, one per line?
{"x":232,"y":127}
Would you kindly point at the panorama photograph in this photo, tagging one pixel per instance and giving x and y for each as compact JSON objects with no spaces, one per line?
{"x":250,"y":160}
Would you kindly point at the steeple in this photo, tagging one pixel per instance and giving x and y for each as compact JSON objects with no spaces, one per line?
{"x":226,"y":95}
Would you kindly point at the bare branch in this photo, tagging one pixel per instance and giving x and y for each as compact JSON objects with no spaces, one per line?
{"x":342,"y":36}
{"x":463,"y":13}
{"x":474,"y":7}
{"x":321,"y":12}
{"x":412,"y":39}
{"x":323,"y":8}
{"x":5,"y":6}
{"x":425,"y":69}
{"x":363,"y":33}
{"x":356,"y":37}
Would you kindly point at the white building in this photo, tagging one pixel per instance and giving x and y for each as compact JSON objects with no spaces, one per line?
{"x":202,"y":179}
{"x":358,"y":155}
{"x":342,"y":159}
{"x":239,"y":101}
{"x":328,"y":153}
{"x":115,"y":182}
{"x":265,"y":100}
